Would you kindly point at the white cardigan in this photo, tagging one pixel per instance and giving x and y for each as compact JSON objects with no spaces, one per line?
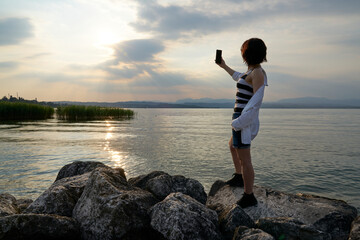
{"x":248,"y":121}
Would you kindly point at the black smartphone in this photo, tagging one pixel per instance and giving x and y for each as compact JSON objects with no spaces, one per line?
{"x":218,"y":56}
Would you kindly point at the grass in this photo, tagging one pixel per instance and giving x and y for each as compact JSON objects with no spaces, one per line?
{"x":24,"y":111}
{"x":76,"y":113}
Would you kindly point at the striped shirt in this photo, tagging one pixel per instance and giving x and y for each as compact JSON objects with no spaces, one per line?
{"x":244,"y":92}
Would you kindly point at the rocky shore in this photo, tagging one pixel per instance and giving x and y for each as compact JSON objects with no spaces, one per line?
{"x":90,"y":200}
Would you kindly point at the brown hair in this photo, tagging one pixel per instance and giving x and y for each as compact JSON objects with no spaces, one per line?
{"x":254,"y":51}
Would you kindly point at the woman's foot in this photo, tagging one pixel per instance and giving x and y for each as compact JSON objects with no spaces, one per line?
{"x":247,"y":200}
{"x":236,"y":181}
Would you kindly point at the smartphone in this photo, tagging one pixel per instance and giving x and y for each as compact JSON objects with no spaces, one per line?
{"x":218,"y":56}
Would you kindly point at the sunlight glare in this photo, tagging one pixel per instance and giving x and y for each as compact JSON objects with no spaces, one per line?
{"x":118,"y":158}
{"x":106,"y":37}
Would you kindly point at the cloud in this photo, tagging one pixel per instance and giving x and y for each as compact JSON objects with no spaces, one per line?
{"x":136,"y":67}
{"x":172,"y":22}
{"x":132,"y":58}
{"x":138,"y":50}
{"x":8,"y":65}
{"x":329,"y":6}
{"x":122,"y":73}
{"x":38,"y":55}
{"x":56,"y":77}
{"x":154,"y":77}
{"x":14,"y":30}
{"x":202,"y":17}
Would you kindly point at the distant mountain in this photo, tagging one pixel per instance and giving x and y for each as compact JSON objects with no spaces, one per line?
{"x":307,"y":102}
{"x":204,"y":100}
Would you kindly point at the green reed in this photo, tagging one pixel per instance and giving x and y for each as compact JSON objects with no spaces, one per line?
{"x":24,"y":111}
{"x":75,"y":113}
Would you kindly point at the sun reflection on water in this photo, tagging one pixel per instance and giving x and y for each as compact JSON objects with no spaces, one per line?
{"x":118,"y":158}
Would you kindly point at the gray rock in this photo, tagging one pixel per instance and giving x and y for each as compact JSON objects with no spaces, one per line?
{"x":8,"y":205}
{"x":335,"y":223}
{"x":289,"y":228}
{"x":217,"y":185}
{"x":355,"y":229}
{"x":38,"y":226}
{"x":23,"y":204}
{"x":311,"y":210}
{"x":78,"y":168}
{"x":142,"y":180}
{"x":231,"y":218}
{"x":162,"y":184}
{"x":181,"y":217}
{"x":110,"y":208}
{"x":61,"y":197}
{"x":244,"y":233}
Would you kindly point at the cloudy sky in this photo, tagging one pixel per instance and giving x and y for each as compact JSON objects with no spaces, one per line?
{"x":164,"y":50}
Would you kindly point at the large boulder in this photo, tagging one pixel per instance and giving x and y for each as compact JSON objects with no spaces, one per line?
{"x":289,"y":228}
{"x":232,"y":217}
{"x":179,"y":216}
{"x":61,"y":197}
{"x":64,"y":193}
{"x":141,"y":181}
{"x":23,"y":204}
{"x":162,"y":184}
{"x":110,"y":208}
{"x":355,"y":229}
{"x":310,"y":210}
{"x":78,"y":168}
{"x":244,"y":233}
{"x":8,"y":205}
{"x":38,"y":226}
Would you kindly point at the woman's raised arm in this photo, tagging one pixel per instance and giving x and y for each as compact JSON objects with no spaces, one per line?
{"x":226,"y":67}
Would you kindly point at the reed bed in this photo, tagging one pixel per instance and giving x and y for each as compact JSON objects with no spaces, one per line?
{"x":24,"y":111}
{"x":76,"y":113}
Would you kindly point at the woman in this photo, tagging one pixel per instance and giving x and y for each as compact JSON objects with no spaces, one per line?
{"x":245,"y":124}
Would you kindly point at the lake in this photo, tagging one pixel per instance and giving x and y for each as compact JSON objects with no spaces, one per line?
{"x":313,"y":151}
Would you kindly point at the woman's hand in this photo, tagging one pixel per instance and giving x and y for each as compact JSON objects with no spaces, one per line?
{"x":222,"y":64}
{"x":225,"y":67}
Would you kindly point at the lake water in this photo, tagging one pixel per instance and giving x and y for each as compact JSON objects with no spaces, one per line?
{"x":313,"y":151}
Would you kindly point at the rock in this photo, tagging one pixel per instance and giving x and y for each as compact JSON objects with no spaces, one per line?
{"x":23,"y":204}
{"x":289,"y":228}
{"x":78,"y":168}
{"x":38,"y":226}
{"x":142,"y":180}
{"x":308,"y":209}
{"x":110,"y":208}
{"x":217,"y":185}
{"x":8,"y":205}
{"x":231,"y":218}
{"x":61,"y":197}
{"x":244,"y":233}
{"x":335,"y":223}
{"x":355,"y":229}
{"x":162,"y":184}
{"x":179,"y":216}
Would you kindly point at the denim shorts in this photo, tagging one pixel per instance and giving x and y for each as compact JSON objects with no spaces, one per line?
{"x":236,"y":135}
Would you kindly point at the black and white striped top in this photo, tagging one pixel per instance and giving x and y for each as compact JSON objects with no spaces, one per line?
{"x":244,"y":92}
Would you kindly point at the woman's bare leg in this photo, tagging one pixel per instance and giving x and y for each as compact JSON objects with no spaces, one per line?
{"x":235,"y":158}
{"x":247,"y":169}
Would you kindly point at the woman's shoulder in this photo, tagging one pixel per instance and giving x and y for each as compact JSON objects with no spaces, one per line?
{"x":258,"y":71}
{"x":257,"y":76}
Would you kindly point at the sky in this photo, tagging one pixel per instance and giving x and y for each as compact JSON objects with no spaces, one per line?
{"x":164,"y":50}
